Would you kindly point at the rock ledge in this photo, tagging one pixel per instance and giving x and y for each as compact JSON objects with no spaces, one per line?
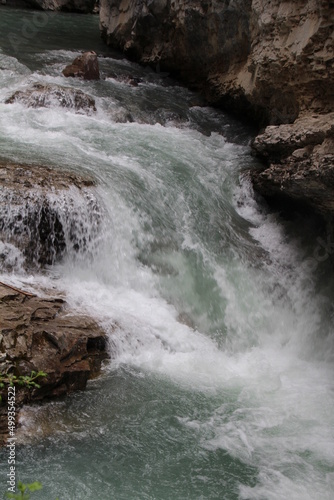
{"x":43,"y":334}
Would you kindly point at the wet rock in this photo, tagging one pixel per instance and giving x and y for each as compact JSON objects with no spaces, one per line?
{"x":85,"y":66}
{"x":134,"y":81}
{"x":43,"y":334}
{"x":270,"y":60}
{"x":46,"y":213}
{"x":277,"y":142}
{"x":49,"y":96}
{"x":300,"y":162}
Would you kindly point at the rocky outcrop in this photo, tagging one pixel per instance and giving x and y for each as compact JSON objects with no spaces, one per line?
{"x":43,"y":334}
{"x":270,"y":58}
{"x":300,"y":160}
{"x":192,"y":39}
{"x":267,"y":60}
{"x":85,"y":66}
{"x":47,"y":213}
{"x":48,"y":96}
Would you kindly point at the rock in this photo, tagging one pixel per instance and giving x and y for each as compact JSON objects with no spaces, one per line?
{"x":277,"y":142}
{"x":46,"y":213}
{"x":269,"y":60}
{"x":300,"y":162}
{"x":134,"y":81}
{"x":85,"y":66}
{"x":43,"y":334}
{"x":48,"y":96}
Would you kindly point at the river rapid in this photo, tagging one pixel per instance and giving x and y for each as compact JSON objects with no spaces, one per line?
{"x":220,"y":384}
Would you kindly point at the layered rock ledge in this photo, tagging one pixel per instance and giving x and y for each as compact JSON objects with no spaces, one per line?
{"x":46,"y":213}
{"x":300,"y":162}
{"x":43,"y":334}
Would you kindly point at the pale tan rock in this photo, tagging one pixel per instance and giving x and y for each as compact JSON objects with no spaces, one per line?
{"x":301,"y":162}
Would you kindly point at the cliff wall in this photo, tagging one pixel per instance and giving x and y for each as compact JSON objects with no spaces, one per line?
{"x":274,"y":57}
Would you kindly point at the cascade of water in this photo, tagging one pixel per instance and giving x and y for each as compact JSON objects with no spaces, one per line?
{"x":220,"y":385}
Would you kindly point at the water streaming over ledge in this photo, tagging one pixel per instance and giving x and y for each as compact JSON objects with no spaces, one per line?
{"x":221,"y":382}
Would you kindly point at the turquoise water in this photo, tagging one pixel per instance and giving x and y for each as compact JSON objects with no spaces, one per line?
{"x":220,"y":384}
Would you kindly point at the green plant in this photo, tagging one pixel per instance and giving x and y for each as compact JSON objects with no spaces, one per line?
{"x":24,"y":491}
{"x":10,"y":380}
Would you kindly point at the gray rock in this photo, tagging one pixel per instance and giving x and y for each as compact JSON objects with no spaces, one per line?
{"x":300,"y":162}
{"x":269,"y":60}
{"x":48,"y":96}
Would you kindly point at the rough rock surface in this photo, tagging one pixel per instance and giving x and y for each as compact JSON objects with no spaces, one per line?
{"x":272,"y":57}
{"x":48,"y":96}
{"x":85,"y":66}
{"x":46,"y":212}
{"x":42,"y":334}
{"x":268,"y":60}
{"x":301,"y":162}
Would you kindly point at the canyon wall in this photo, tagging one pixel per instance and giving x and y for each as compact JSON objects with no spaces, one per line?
{"x":270,"y":61}
{"x":273,"y":57}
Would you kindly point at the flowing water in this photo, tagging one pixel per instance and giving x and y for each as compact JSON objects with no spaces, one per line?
{"x":221,"y":379}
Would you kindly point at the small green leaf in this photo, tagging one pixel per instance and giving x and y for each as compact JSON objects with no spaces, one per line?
{"x":22,"y":487}
{"x":35,"y":486}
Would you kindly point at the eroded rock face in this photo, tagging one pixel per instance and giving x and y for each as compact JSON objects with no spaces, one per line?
{"x":42,"y":334}
{"x":85,"y":66}
{"x":47,"y":213}
{"x":271,"y":58}
{"x":301,"y":162}
{"x":190,"y":38}
{"x":49,"y":96}
{"x":279,"y":142}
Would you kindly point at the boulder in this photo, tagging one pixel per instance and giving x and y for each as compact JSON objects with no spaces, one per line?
{"x":43,"y":334}
{"x":47,"y":213}
{"x":48,"y":96}
{"x":85,"y":66}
